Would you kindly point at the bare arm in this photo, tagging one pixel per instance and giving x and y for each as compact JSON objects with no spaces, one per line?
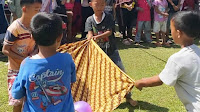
{"x":103,"y":35}
{"x":90,"y":35}
{"x":159,"y":12}
{"x":148,"y":82}
{"x":176,"y":7}
{"x":7,"y":51}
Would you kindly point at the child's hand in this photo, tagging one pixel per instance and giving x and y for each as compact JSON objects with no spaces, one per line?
{"x":89,"y":38}
{"x":129,"y":7}
{"x":92,"y":37}
{"x":165,"y":14}
{"x":138,"y":84}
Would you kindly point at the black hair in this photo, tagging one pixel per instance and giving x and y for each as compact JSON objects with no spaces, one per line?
{"x":46,"y":28}
{"x":188,"y":22}
{"x":29,"y":2}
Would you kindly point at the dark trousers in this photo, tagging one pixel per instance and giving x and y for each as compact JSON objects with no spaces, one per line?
{"x":128,"y":18}
{"x":3,"y":20}
{"x":86,"y":12}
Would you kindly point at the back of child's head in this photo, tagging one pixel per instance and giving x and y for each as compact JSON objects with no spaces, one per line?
{"x":29,"y":2}
{"x":46,"y":28}
{"x":188,"y":22}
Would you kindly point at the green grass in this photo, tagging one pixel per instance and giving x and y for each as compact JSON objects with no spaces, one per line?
{"x":140,"y":62}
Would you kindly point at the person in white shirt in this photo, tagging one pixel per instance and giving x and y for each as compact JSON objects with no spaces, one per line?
{"x":183,"y":68}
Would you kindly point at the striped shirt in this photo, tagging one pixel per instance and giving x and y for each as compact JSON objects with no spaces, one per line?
{"x":21,"y":42}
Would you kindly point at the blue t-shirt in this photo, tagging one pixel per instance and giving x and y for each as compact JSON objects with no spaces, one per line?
{"x":46,"y":84}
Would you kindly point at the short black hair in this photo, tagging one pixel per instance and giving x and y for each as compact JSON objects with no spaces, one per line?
{"x":46,"y":28}
{"x":29,"y":2}
{"x":188,"y":22}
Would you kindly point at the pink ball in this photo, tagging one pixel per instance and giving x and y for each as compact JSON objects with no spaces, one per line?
{"x":82,"y":106}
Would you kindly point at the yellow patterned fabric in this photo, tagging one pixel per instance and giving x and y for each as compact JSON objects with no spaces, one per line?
{"x":99,"y":81}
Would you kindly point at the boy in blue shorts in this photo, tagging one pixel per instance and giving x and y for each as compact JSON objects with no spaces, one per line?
{"x":45,"y":78}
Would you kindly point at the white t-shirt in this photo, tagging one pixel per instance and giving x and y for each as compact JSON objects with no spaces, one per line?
{"x":183,"y":72}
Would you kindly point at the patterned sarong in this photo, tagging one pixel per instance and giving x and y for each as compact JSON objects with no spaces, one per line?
{"x":99,"y":81}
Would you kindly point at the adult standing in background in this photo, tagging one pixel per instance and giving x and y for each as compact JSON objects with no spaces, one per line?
{"x":174,"y":6}
{"x":3,"y":20}
{"x":15,"y":9}
{"x":86,"y":11}
{"x":46,"y":6}
{"x":187,"y":5}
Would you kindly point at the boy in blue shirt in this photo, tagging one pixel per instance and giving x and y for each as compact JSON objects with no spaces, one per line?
{"x":45,"y":78}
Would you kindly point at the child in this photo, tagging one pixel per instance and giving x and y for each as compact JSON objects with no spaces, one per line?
{"x":99,"y":27}
{"x":129,"y":15}
{"x":45,"y":78}
{"x":160,"y":21}
{"x":182,"y":68}
{"x":144,"y":21}
{"x":18,"y":44}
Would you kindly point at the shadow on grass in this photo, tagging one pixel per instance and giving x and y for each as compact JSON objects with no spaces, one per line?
{"x":143,"y":106}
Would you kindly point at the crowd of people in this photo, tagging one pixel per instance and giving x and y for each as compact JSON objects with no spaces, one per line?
{"x":31,"y":41}
{"x":143,"y":15}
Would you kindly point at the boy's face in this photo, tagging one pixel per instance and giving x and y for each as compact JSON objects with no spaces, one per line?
{"x":98,"y":5}
{"x":32,"y":9}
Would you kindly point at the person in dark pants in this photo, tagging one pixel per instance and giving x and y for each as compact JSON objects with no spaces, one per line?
{"x":3,"y":20}
{"x":129,"y":14}
{"x":86,"y":12}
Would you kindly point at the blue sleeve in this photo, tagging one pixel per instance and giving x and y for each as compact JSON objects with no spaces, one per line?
{"x":18,"y":87}
{"x":73,"y":73}
{"x":9,"y":38}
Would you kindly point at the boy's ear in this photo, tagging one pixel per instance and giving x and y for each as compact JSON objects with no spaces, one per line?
{"x":179,"y":33}
{"x":90,"y":3}
{"x":23,"y":9}
{"x":59,"y":38}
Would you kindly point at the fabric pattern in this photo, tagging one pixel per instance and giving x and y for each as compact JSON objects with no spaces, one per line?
{"x":99,"y":81}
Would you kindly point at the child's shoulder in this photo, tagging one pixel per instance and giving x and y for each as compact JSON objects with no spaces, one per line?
{"x":13,"y":26}
{"x":64,"y":55}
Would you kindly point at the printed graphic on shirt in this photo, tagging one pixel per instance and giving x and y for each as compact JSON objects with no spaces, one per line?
{"x":161,"y":9}
{"x":47,"y":88}
{"x":103,"y":42}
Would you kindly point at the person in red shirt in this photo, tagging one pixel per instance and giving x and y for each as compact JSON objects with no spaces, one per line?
{"x":144,"y":20}
{"x":187,"y":5}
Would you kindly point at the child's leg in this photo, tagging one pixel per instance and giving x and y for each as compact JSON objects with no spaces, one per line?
{"x":125,"y":18}
{"x":156,"y":29}
{"x":139,"y":30}
{"x":163,"y":33}
{"x":12,"y":74}
{"x":17,"y":108}
{"x":117,"y":60}
{"x":147,"y":31}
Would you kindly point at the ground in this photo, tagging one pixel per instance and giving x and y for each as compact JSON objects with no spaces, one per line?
{"x":139,"y":61}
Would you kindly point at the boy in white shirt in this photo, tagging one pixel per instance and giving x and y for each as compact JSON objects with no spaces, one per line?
{"x":183,"y":68}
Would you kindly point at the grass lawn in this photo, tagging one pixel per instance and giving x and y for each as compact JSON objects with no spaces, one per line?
{"x":139,"y":61}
